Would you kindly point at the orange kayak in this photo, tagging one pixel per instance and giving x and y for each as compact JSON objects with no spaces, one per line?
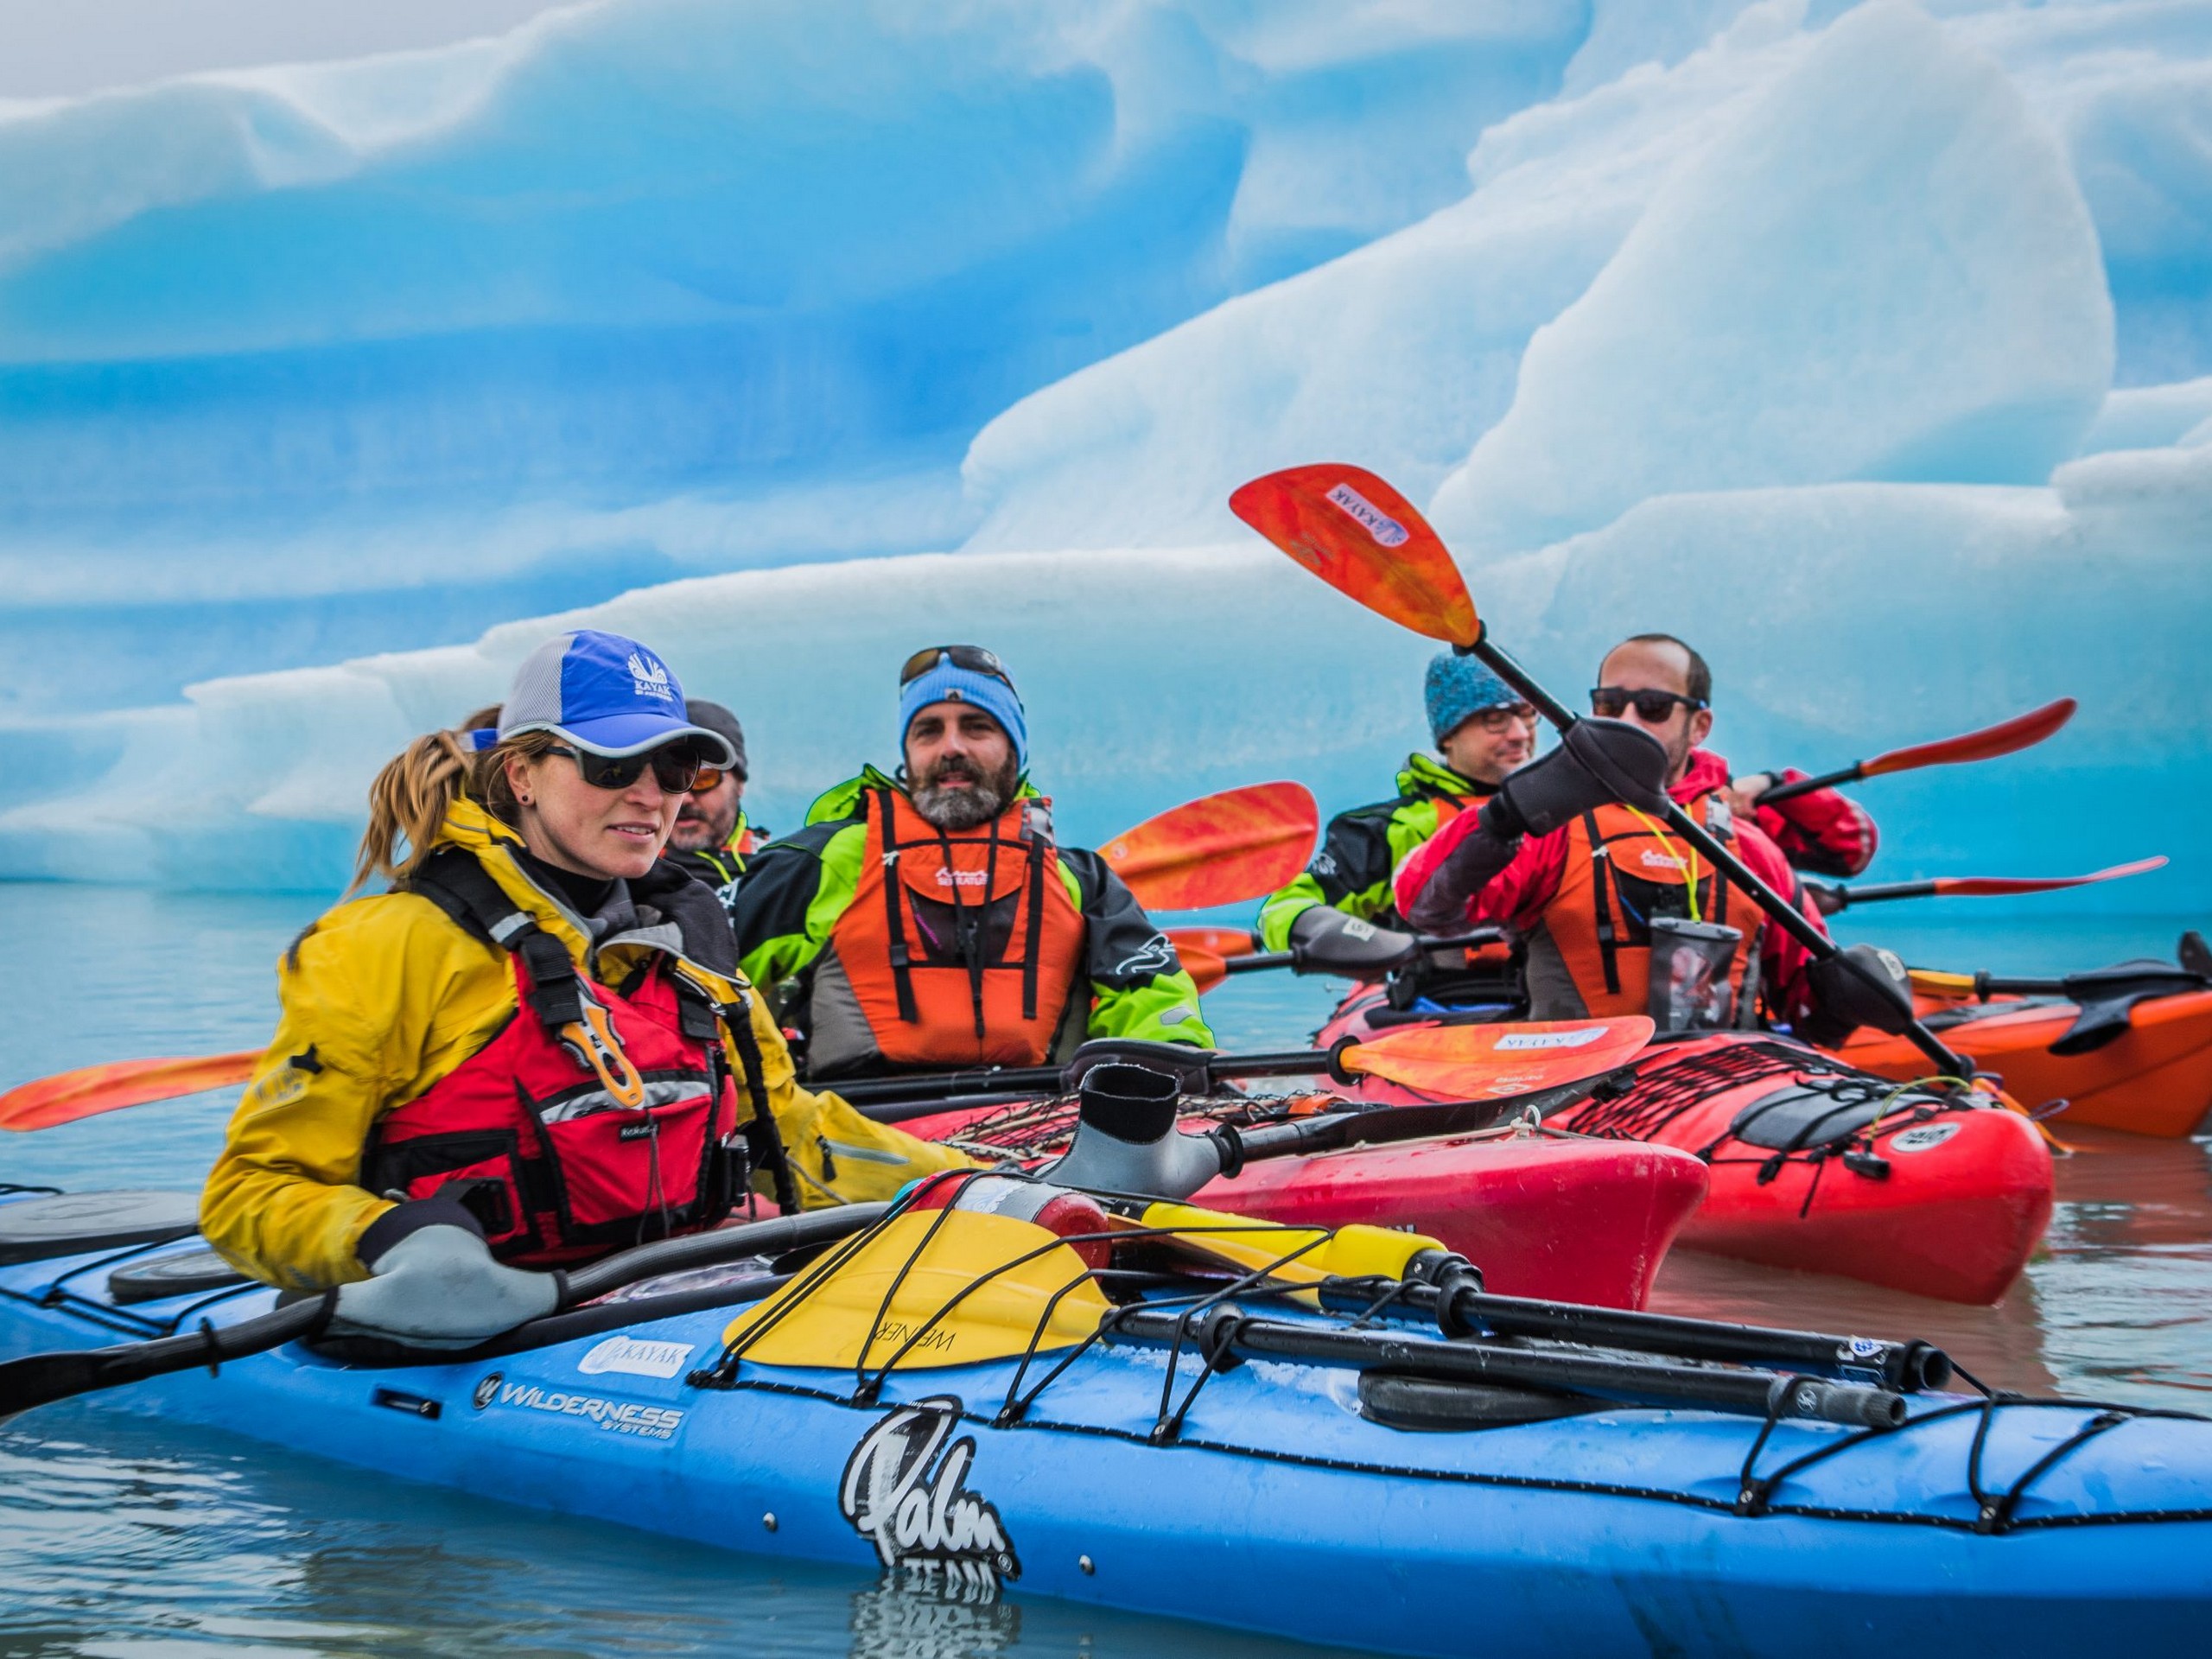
{"x":2152,"y":1076}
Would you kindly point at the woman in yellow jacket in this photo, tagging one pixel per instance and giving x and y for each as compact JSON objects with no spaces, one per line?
{"x":537,"y":1047}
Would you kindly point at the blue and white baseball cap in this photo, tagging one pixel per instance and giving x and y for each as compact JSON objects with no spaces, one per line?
{"x":603,"y":693}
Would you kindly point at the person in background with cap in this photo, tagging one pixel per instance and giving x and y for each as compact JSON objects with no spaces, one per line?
{"x":536,"y":1047}
{"x":1340,"y":915}
{"x":712,"y":839}
{"x":929,"y":920}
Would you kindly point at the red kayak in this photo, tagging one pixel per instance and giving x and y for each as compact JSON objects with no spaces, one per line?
{"x":2151,"y":1074}
{"x":1546,"y":1214}
{"x":1816,"y":1165}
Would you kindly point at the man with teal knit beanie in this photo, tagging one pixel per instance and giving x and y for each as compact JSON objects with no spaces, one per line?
{"x":1339,"y":916}
{"x":928,"y":920}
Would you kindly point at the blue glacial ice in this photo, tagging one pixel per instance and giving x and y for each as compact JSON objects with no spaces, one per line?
{"x":1870,"y":347}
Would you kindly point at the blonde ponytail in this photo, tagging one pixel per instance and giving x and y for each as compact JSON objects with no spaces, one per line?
{"x":409,"y":801}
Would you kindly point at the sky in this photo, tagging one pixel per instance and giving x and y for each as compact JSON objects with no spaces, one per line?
{"x":60,"y":48}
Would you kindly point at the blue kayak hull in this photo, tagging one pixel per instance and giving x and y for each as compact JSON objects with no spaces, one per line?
{"x":1278,"y":1509}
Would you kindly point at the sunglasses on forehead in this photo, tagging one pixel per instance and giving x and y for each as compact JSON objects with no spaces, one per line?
{"x":1608,"y":702}
{"x":676,"y":769}
{"x":973,"y":658}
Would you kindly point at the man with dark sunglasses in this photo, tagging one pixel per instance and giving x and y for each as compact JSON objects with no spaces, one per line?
{"x":1338,"y":914}
{"x":1823,"y":831}
{"x":713,"y":839}
{"x":1617,"y":914}
{"x":928,"y":920}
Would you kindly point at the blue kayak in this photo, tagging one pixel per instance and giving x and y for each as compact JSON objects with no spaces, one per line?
{"x":1239,"y":1424}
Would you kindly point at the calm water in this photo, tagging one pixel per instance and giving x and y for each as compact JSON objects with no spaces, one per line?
{"x":128,"y":1540}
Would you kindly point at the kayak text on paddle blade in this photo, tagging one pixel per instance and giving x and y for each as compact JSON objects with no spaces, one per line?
{"x":1225,"y":849}
{"x":1360,"y":535}
{"x":1491,"y":1062}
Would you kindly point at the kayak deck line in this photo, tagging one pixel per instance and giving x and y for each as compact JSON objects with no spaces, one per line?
{"x":1755,"y":1496}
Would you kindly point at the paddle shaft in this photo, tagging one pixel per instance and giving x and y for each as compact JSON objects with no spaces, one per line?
{"x":41,"y":1379}
{"x":1780,"y":793}
{"x":1259,"y":962}
{"x":1778,"y":909}
{"x":1908,"y":1365}
{"x":955,"y":1089}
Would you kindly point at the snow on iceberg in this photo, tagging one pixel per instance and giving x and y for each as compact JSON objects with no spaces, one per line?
{"x":1884,"y":271}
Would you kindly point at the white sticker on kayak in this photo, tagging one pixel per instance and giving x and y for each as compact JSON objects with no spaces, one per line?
{"x":904,"y":1491}
{"x":1386,"y":531}
{"x":1523,"y":1039}
{"x":635,"y":1357}
{"x":1922,"y":1137}
{"x":613,"y":1416}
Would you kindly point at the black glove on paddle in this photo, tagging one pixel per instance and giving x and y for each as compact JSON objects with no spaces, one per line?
{"x":1860,"y":985}
{"x":1324,"y":940}
{"x":1597,"y":763}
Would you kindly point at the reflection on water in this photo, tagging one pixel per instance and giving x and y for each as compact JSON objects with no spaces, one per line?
{"x":125,"y":1540}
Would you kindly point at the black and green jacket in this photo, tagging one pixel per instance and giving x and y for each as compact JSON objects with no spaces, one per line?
{"x":795,"y":890}
{"x":1353,"y":868}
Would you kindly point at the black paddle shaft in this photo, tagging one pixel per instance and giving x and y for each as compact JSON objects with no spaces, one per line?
{"x":1780,"y":793}
{"x":41,"y":1379}
{"x":1784,"y":914}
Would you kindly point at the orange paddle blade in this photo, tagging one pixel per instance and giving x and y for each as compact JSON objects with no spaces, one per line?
{"x":1992,"y":887}
{"x":1365,"y":540}
{"x":1491,"y":1062}
{"x":1206,"y":967}
{"x":2021,"y":732}
{"x":1218,"y":941}
{"x":93,"y":1088}
{"x":1240,"y":844}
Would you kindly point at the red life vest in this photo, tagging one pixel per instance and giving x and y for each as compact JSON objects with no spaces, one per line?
{"x":595,"y":1118}
{"x":957,"y":949}
{"x":1619,"y":873}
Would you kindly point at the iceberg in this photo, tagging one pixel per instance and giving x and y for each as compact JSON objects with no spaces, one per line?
{"x":1865,"y":346}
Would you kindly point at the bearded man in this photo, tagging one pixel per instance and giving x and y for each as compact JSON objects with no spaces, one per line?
{"x":929,"y":921}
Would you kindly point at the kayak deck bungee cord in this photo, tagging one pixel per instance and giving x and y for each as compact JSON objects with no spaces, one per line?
{"x":1815,"y":1164}
{"x":1547,"y":1213}
{"x":1289,"y":1430}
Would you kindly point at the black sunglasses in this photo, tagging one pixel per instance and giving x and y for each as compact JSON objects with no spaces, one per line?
{"x":973,"y":658}
{"x":1608,"y":702}
{"x":678,"y":769}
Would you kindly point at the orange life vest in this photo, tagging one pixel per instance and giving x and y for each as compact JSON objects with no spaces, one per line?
{"x":958,"y":948}
{"x":1591,"y":952}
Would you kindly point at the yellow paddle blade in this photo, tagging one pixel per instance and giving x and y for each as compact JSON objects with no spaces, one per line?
{"x":822,"y":1319}
{"x":1930,"y":983}
{"x":1224,"y":850}
{"x":1365,"y":540}
{"x":68,"y":1095}
{"x":1491,"y":1062}
{"x":1313,"y":1252}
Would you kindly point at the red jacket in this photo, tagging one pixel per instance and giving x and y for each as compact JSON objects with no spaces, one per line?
{"x":1824,"y":831}
{"x":1516,"y":895}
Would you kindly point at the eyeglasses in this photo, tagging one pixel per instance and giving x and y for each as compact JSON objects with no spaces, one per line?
{"x":1512,"y":713}
{"x":973,"y":658}
{"x":678,"y":769}
{"x":1608,"y":702}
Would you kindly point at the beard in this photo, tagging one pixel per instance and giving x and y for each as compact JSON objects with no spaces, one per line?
{"x":699,"y":827}
{"x":955,"y":809}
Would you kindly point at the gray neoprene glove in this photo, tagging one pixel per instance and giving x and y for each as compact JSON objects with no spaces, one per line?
{"x":1597,"y":763}
{"x":1324,"y":940}
{"x":434,"y":1283}
{"x":1860,"y":985}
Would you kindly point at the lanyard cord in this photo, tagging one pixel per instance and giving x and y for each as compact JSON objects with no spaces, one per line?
{"x":1690,"y":877}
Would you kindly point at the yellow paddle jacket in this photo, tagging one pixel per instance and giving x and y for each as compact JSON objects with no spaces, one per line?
{"x":386,"y":994}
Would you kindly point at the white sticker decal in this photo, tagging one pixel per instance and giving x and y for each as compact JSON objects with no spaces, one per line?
{"x":1924,"y":1136}
{"x":904,"y":1491}
{"x":1522,"y":1039}
{"x":1386,"y":531}
{"x":614,"y":1416}
{"x":635,"y":1357}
